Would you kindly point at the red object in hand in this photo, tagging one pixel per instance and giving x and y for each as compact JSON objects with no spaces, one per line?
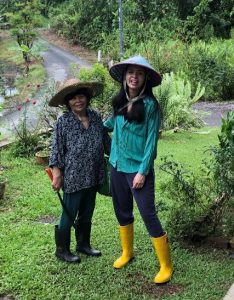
{"x":49,"y":172}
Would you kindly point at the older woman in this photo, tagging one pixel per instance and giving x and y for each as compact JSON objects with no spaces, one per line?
{"x":77,"y":163}
{"x":135,"y":125}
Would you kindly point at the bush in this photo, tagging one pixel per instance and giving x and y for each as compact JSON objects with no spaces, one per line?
{"x":176,"y":100}
{"x":204,"y":204}
{"x":191,"y":199}
{"x":212,"y":65}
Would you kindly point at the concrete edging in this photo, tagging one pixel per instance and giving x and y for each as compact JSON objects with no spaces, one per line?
{"x":230,"y":293}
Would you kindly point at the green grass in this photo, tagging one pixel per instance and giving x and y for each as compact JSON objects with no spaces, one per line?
{"x":29,"y":269}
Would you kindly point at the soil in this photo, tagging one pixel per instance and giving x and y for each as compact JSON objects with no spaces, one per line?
{"x":140,"y":285}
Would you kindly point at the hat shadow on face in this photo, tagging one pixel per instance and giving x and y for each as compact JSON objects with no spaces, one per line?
{"x":93,"y":88}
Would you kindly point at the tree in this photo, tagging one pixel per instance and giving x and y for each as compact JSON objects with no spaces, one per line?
{"x":211,"y":18}
{"x":24,"y":18}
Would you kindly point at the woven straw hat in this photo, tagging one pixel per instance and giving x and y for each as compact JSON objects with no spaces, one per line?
{"x":118,"y":70}
{"x":93,"y":88}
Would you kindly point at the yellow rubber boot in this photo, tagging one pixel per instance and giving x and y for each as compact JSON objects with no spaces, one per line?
{"x":126,"y":238}
{"x":162,"y":250}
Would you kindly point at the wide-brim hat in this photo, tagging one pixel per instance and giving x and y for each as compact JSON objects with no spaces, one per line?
{"x":93,"y":88}
{"x":118,"y":70}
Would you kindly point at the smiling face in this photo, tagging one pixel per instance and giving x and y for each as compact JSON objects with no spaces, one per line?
{"x":135,"y":79}
{"x":78,"y":104}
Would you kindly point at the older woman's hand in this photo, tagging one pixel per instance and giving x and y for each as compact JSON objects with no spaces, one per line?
{"x":57,"y":179}
{"x":138,"y":181}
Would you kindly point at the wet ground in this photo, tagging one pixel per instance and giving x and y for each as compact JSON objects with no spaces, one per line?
{"x":213,"y":112}
{"x":58,"y":63}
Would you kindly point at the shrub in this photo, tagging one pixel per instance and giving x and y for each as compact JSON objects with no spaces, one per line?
{"x":176,"y":100}
{"x":26,"y":137}
{"x":204,"y":204}
{"x":212,"y":65}
{"x":191,"y":199}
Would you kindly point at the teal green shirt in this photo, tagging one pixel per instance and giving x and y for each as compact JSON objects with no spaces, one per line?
{"x":134,"y":145}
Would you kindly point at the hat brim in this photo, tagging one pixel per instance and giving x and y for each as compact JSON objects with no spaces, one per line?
{"x":118,"y":70}
{"x":93,"y":88}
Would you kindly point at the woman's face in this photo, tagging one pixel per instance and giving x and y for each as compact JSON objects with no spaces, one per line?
{"x":78,"y":103}
{"x":135,"y":78}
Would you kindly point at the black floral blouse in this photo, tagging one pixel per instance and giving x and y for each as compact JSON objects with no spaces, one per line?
{"x":78,"y":152}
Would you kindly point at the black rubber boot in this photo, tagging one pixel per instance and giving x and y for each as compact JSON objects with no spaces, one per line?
{"x":83,"y":240}
{"x":62,"y":240}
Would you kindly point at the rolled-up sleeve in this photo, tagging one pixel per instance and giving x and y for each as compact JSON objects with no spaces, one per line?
{"x":150,"y":150}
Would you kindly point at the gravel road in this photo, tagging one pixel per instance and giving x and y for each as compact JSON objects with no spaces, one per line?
{"x":57,"y":63}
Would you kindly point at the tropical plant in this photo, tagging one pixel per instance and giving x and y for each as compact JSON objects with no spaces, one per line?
{"x":176,"y":100}
{"x":194,"y":197}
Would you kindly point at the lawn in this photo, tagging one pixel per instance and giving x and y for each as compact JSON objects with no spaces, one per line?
{"x":29,"y":269}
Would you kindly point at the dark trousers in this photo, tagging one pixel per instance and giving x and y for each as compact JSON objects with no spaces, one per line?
{"x":122,"y":195}
{"x":80,"y":205}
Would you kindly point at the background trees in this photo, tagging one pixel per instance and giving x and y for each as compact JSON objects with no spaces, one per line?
{"x":24,"y":17}
{"x":191,"y":38}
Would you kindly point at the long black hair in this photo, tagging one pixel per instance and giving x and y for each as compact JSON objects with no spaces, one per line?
{"x":137,"y":111}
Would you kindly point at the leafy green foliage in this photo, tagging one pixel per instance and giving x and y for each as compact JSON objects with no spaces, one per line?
{"x":212,"y":65}
{"x":24,"y":18}
{"x":193,"y":200}
{"x":223,"y":161}
{"x":166,"y":33}
{"x":26,"y":138}
{"x":204,"y":204}
{"x":176,"y":100}
{"x":211,"y":18}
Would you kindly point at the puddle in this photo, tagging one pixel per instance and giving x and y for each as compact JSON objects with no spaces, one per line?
{"x":10,"y":92}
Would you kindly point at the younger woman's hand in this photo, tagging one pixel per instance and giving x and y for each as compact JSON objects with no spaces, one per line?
{"x":138,"y":181}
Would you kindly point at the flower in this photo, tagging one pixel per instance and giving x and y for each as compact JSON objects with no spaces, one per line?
{"x":34,"y":102}
{"x":19,"y":107}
